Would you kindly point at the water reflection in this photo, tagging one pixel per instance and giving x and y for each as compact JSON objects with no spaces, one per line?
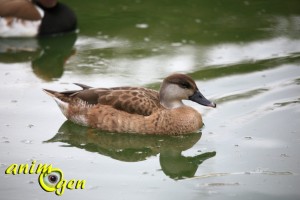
{"x":47,"y":55}
{"x":134,"y":148}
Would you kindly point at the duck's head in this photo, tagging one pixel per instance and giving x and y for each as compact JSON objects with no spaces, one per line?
{"x":178,"y":87}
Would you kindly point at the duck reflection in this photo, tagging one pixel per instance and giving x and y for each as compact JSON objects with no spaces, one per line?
{"x":47,"y":55}
{"x":134,"y":148}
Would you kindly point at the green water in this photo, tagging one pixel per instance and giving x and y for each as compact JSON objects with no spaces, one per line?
{"x":244,"y":55}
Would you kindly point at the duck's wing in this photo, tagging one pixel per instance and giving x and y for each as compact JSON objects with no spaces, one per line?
{"x":133,"y":100}
{"x":22,"y":9}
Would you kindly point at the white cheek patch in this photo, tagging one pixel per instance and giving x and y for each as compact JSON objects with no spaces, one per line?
{"x":173,"y":95}
{"x":175,"y":92}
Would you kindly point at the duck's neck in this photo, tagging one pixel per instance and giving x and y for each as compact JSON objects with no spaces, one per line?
{"x":171,"y":104}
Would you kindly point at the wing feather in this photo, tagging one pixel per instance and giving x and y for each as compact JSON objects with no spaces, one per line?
{"x":133,"y":100}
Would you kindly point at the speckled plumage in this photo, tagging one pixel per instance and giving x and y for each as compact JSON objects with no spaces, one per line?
{"x":135,"y":109}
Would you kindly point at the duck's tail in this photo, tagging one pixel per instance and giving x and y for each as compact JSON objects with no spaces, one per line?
{"x":85,"y":87}
{"x":60,"y":95}
{"x":61,"y":99}
{"x":73,"y":109}
{"x":50,"y":92}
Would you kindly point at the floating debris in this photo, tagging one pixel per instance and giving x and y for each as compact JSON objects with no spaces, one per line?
{"x":284,"y":155}
{"x":198,"y":21}
{"x":142,"y":26}
{"x":246,"y":3}
{"x":27,"y":141}
{"x":94,"y":187}
{"x":3,"y":164}
{"x":176,"y":44}
{"x":5,"y":140}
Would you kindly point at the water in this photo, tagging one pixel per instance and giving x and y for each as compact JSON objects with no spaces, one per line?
{"x":243,"y":55}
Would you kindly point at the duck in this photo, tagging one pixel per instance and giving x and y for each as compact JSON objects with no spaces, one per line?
{"x":136,"y":110}
{"x":32,"y":18}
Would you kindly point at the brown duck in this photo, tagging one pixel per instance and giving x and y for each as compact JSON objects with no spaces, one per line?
{"x":136,"y":109}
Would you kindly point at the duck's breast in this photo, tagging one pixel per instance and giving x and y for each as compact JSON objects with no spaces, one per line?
{"x":177,"y":121}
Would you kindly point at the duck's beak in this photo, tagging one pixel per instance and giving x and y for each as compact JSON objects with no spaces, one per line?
{"x":199,"y":98}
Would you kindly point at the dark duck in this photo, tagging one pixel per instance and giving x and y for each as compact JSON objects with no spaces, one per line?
{"x":25,"y":18}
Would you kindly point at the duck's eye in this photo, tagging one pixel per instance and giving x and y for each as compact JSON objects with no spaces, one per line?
{"x":185,"y":85}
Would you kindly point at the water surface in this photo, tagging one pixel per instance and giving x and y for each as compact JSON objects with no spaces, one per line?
{"x":244,"y":55}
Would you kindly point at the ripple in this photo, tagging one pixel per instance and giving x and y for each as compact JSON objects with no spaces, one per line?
{"x":258,"y":172}
{"x":282,"y":104}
